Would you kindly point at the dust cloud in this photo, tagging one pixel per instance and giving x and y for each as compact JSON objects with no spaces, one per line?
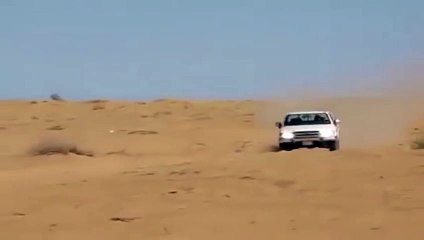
{"x":375,"y":112}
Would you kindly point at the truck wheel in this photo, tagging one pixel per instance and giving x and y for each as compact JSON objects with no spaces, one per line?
{"x":285,"y":147}
{"x":334,"y":146}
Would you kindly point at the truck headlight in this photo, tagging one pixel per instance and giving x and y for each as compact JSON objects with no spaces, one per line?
{"x":287,"y":135}
{"x":327,"y":133}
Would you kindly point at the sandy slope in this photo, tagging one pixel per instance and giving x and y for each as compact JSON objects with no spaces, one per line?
{"x":207,"y":170}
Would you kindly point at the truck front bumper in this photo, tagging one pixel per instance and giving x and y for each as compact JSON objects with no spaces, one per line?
{"x":312,"y":142}
{"x":294,"y":140}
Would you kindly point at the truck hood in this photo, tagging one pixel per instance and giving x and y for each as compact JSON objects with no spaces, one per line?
{"x":308,"y":128}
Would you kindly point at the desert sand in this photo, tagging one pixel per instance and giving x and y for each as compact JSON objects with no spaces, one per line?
{"x":176,"y":169}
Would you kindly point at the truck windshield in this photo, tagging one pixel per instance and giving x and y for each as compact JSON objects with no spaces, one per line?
{"x":306,"y":119}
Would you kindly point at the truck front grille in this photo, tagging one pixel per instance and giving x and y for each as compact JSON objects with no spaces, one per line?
{"x":306,"y":135}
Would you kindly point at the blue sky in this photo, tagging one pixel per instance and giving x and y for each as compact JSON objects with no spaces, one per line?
{"x":200,"y":49}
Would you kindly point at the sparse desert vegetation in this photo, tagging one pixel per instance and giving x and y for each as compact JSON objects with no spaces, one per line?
{"x":57,"y":145}
{"x":98,"y":107}
{"x":418,"y":143}
{"x":56,"y":128}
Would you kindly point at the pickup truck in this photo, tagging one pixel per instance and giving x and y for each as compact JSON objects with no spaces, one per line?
{"x":309,"y":129}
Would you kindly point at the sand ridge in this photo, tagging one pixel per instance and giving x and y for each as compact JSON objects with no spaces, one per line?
{"x":180,"y":169}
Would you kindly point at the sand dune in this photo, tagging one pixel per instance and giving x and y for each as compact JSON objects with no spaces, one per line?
{"x":174,"y":169}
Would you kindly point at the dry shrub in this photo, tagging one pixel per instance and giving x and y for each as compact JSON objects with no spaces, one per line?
{"x":418,"y":143}
{"x":143,"y":132}
{"x":57,"y":145}
{"x":56,"y":128}
{"x":98,"y":107}
{"x":97,"y":101}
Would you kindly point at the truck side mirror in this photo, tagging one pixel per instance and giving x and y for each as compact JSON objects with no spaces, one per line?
{"x":337,"y":121}
{"x":278,"y":124}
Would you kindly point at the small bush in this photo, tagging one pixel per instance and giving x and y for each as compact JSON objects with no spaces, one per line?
{"x":52,"y":146}
{"x":56,"y":128}
{"x":418,"y":143}
{"x":97,"y":101}
{"x":98,"y":107}
{"x":143,"y":132}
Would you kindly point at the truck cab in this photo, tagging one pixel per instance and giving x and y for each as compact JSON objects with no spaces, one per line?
{"x":309,"y":129}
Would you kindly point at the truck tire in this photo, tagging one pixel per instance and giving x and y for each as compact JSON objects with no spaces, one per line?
{"x":334,"y":146}
{"x":285,"y":147}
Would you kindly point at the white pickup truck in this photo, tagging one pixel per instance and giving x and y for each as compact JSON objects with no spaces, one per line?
{"x":309,"y":129}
